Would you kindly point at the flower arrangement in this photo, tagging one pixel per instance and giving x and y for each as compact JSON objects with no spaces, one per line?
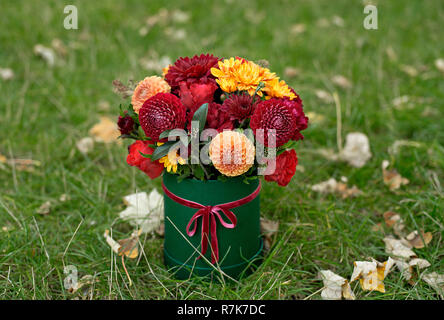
{"x":208,"y":118}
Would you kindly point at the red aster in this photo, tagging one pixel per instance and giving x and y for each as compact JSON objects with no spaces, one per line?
{"x":191,"y":70}
{"x":278,"y":115}
{"x":285,"y":169}
{"x":153,"y":169}
{"x":240,"y":107}
{"x":161,"y":112}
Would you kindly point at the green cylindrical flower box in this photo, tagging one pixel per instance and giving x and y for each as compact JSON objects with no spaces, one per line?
{"x":240,"y":248}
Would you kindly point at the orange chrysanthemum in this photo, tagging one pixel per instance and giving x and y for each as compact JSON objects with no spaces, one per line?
{"x":278,"y":89}
{"x":147,"y":88}
{"x":232,"y":153}
{"x":239,"y":74}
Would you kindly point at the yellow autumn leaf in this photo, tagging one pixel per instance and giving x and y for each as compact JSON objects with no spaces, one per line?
{"x":105,"y":131}
{"x":371,"y":274}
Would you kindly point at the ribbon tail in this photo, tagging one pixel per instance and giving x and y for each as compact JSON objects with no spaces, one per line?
{"x":205,"y":234}
{"x":214,"y":244}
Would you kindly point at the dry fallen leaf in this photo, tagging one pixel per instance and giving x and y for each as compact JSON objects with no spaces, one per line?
{"x":144,"y":211}
{"x":291,"y":72}
{"x":398,"y":248}
{"x":64,"y":197}
{"x":392,"y":178}
{"x":45,"y":208}
{"x":82,"y":283}
{"x":332,"y":186}
{"x":269,"y":228}
{"x":337,"y":21}
{"x":154,"y":62}
{"x":335,"y":286}
{"x":315,"y":117}
{"x":417,"y":240}
{"x":439,"y":64}
{"x":129,"y":247}
{"x":297,"y":29}
{"x":435,"y":280}
{"x":6,"y":73}
{"x":27,"y":165}
{"x":409,"y":70}
{"x":408,"y":268}
{"x":391,"y":54}
{"x":371,"y":274}
{"x":59,"y":47}
{"x":45,"y":53}
{"x":341,"y":81}
{"x":324,"y":96}
{"x":394,"y":220}
{"x":401,"y":102}
{"x":105,"y":130}
{"x":85,"y":145}
{"x":357,"y":149}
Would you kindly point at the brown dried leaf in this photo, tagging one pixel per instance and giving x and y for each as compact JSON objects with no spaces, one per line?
{"x":105,"y":130}
{"x":24,"y":164}
{"x":6,"y":74}
{"x":129,"y":247}
{"x":398,"y":248}
{"x":341,"y":81}
{"x":85,"y":145}
{"x":372,"y":274}
{"x":82,"y":283}
{"x":45,"y":208}
{"x":392,"y":178}
{"x":333,"y":186}
{"x":291,"y":72}
{"x":269,"y":228}
{"x":335,"y":286}
{"x":393,"y":219}
{"x":419,"y":241}
{"x":435,"y":280}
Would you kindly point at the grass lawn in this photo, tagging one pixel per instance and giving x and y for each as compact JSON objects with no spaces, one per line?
{"x":44,"y":111}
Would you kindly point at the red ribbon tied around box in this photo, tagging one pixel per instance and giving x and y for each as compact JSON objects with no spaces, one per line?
{"x":209,"y":215}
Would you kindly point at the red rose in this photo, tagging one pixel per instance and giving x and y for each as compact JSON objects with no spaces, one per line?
{"x":161,"y":112}
{"x":286,"y":164}
{"x":153,"y":169}
{"x":194,"y":95}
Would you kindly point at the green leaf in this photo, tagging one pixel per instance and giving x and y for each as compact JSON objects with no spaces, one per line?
{"x":163,"y":150}
{"x":201,"y":116}
{"x":145,"y":155}
{"x":199,"y":173}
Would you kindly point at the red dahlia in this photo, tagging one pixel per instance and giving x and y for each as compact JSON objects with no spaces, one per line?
{"x":285,"y":169}
{"x":153,"y":169}
{"x":280,"y":115}
{"x":161,"y":112}
{"x":191,"y":70}
{"x":297,"y":109}
{"x":240,"y":107}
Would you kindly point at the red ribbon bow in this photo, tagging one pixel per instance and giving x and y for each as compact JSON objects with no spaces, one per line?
{"x":209,"y":214}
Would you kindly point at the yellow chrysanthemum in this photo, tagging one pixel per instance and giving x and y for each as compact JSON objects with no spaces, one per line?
{"x":171,"y":160}
{"x":240,"y":74}
{"x":232,"y":153}
{"x":165,"y":70}
{"x":278,"y":89}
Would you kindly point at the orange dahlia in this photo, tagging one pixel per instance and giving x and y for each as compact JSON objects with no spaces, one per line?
{"x":148,"y":87}
{"x":232,"y":153}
